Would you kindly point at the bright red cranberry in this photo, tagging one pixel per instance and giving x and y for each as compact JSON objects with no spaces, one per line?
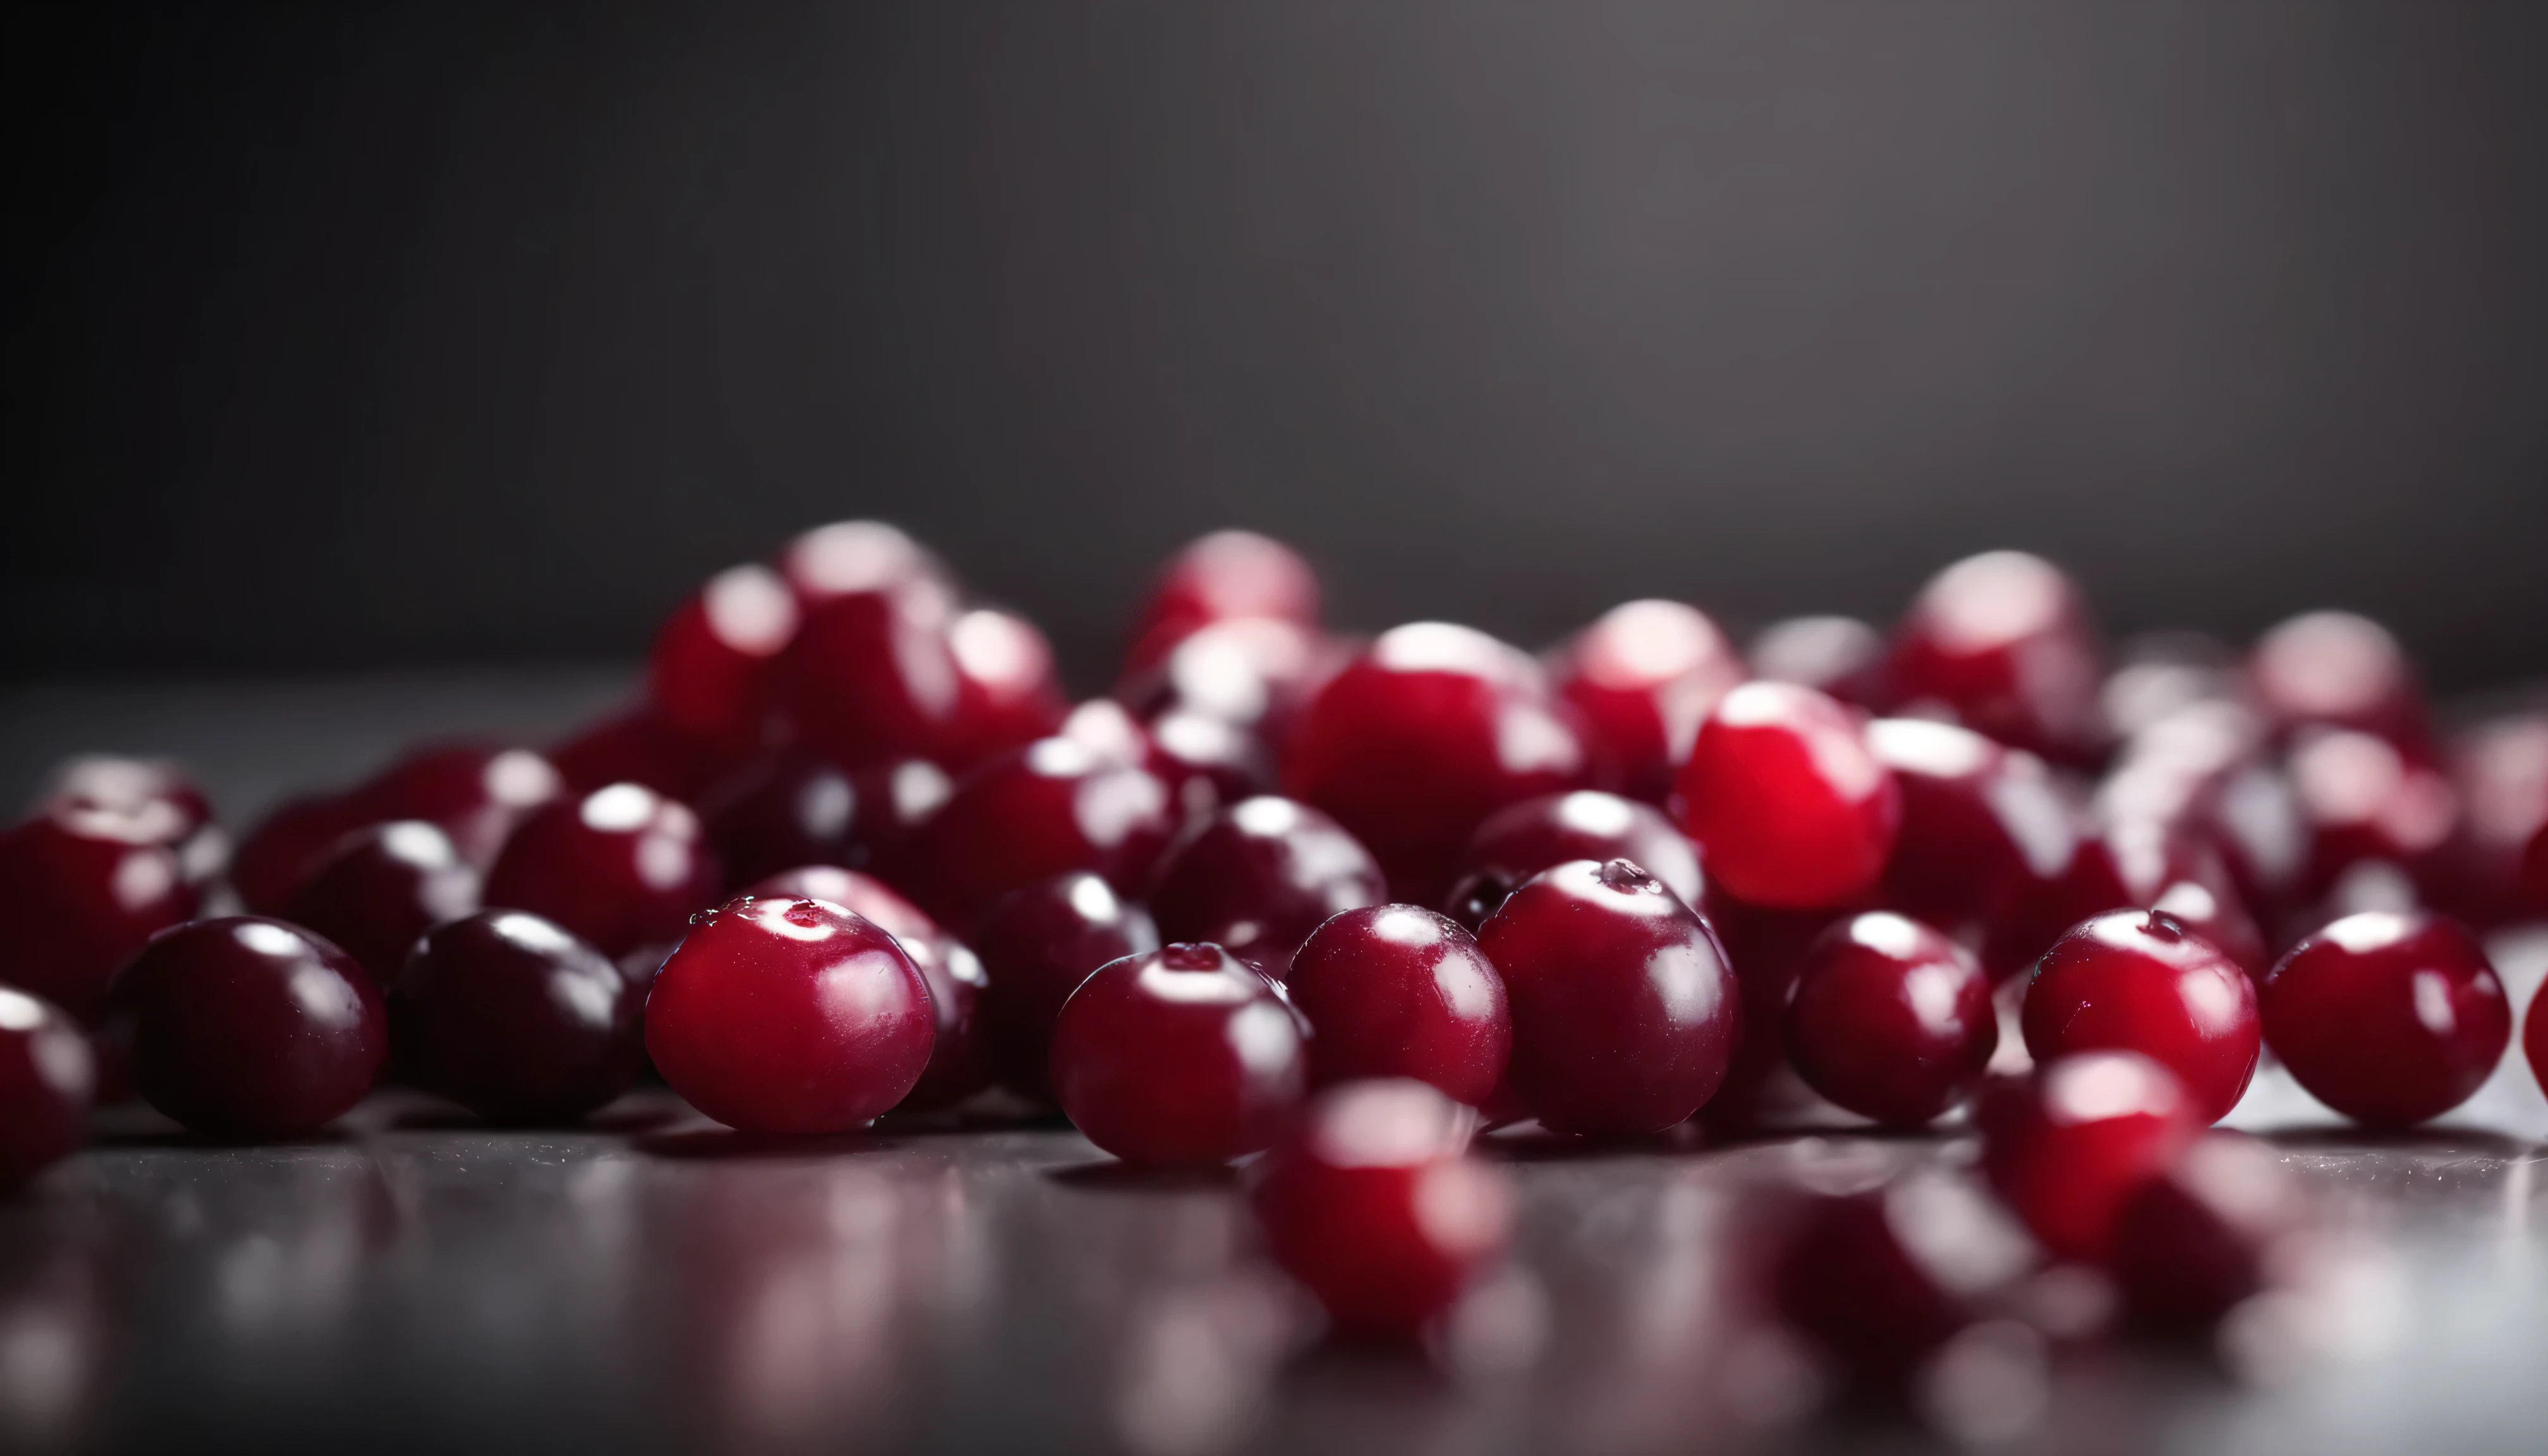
{"x":2119,"y":867}
{"x":2193,"y":1240}
{"x":46,"y":1078}
{"x":1181,"y":1055}
{"x":1879,"y":1280}
{"x":623,"y":867}
{"x":1977,"y":819}
{"x":288,"y":846}
{"x":154,"y":798}
{"x":2363,"y":799}
{"x":872,"y":676}
{"x":249,"y":1028}
{"x":1371,"y":1202}
{"x":849,"y":558}
{"x":1789,"y":807}
{"x":2004,"y":643}
{"x":383,"y":887}
{"x":1255,"y":673}
{"x":637,"y":747}
{"x":1259,"y":877}
{"x":1767,"y":949}
{"x":1431,"y":729}
{"x":1517,"y":843}
{"x":1642,"y":676}
{"x":712,"y":674}
{"x":80,"y":891}
{"x":794,"y":809}
{"x":1395,"y":991}
{"x":515,"y":1019}
{"x":2334,"y":668}
{"x":474,"y":794}
{"x":2387,"y":1019}
{"x":2065,"y":1143}
{"x":1891,"y":1020}
{"x":1840,"y":656}
{"x":790,"y":1016}
{"x":1037,"y":946}
{"x":2137,"y":980}
{"x":1625,"y":1012}
{"x":1222,"y":577}
{"x":1046,"y":809}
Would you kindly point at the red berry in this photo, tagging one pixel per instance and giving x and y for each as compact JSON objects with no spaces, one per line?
{"x":2534,"y":871}
{"x":249,"y":1028}
{"x":1255,"y":673}
{"x":2337,"y":670}
{"x":2213,"y":913}
{"x":474,"y":794}
{"x":1879,"y":1280}
{"x":1259,"y":877}
{"x":2193,"y":1240}
{"x":1891,"y":1020}
{"x":1046,"y":809}
{"x":1206,"y":763}
{"x":1008,"y":690}
{"x":1181,"y":1055}
{"x":2499,"y":772}
{"x":1395,"y":991}
{"x":2363,"y":799}
{"x":636,"y":746}
{"x":383,"y":887}
{"x":860,"y":894}
{"x":1767,"y":950}
{"x":712,"y":674}
{"x":1642,"y":676}
{"x":2002,"y":641}
{"x":288,"y":846}
{"x":1625,"y":1012}
{"x":1789,"y":808}
{"x":1223,"y":577}
{"x":958,"y":1063}
{"x":1517,"y":843}
{"x":2534,"y":1039}
{"x":1976,"y":820}
{"x":1840,"y":656}
{"x":794,"y":809}
{"x":514,"y":1019}
{"x":2389,"y":1019}
{"x":80,"y":891}
{"x":152,"y":796}
{"x":2067,"y":1144}
{"x":1431,"y":730}
{"x":872,"y":676}
{"x":1037,"y":946}
{"x":623,"y":867}
{"x":856,"y":557}
{"x":1371,"y":1202}
{"x":790,"y":1016}
{"x":46,"y":1078}
{"x":2119,"y":867}
{"x":2137,"y":980}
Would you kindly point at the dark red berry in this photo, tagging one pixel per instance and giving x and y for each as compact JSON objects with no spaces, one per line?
{"x":622,"y":866}
{"x":288,"y":846}
{"x":2534,"y":871}
{"x":2067,"y":1144}
{"x":1879,"y":1280}
{"x":2499,"y":774}
{"x":1009,"y":689}
{"x":1046,"y":809}
{"x":2534,"y":1039}
{"x":1642,"y":677}
{"x":80,"y":891}
{"x":1840,"y":656}
{"x":2389,"y":1019}
{"x":958,"y":1065}
{"x":1976,"y":820}
{"x":152,"y":796}
{"x":246,"y":1026}
{"x":2137,"y":980}
{"x":1625,"y":1012}
{"x":1254,"y":673}
{"x":792,"y":809}
{"x":514,"y":1019}
{"x":1222,"y":577}
{"x":850,"y":557}
{"x":2362,"y":799}
{"x":1371,"y":1202}
{"x":1398,"y":991}
{"x":2119,"y":867}
{"x":1259,"y":877}
{"x":1037,"y":946}
{"x":1206,"y":763}
{"x":2194,"y":1239}
{"x":1891,"y":1020}
{"x":474,"y":794}
{"x":2333,"y":669}
{"x":1181,"y":1055}
{"x":46,"y":1078}
{"x":383,"y":887}
{"x":860,"y":894}
{"x":714,"y":671}
{"x":2002,"y":642}
{"x":790,"y":1016}
{"x":1789,"y":808}
{"x":1518,"y":842}
{"x":636,"y":746}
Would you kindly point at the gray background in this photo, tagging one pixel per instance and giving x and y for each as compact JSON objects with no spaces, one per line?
{"x":429,"y":335}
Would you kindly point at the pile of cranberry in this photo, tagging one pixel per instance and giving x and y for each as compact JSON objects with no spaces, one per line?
{"x":1350,"y":902}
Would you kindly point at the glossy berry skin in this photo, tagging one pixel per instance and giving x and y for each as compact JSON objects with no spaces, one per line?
{"x":2065,"y":1145}
{"x":958,"y":1063}
{"x":1642,"y":676}
{"x":1625,"y":1015}
{"x":622,"y":866}
{"x":1259,"y":877}
{"x":2194,"y":1239}
{"x":1517,"y":843}
{"x":2362,"y":799}
{"x":2003,"y":642}
{"x":153,"y":798}
{"x":477,"y":793}
{"x":383,"y":887}
{"x":1767,"y":949}
{"x":2534,"y":872}
{"x":790,"y":1016}
{"x":2118,"y":867}
{"x":46,"y":1077}
{"x":2137,"y":980}
{"x":792,"y":809}
{"x":878,"y":675}
{"x":1253,"y":673}
{"x":245,"y":1027}
{"x":2333,"y":669}
{"x":1036,"y":946}
{"x":1223,"y":577}
{"x":1179,"y":1056}
{"x":637,"y":747}
{"x":1891,"y":1020}
{"x":860,"y":894}
{"x":1372,"y":1202}
{"x":1978,"y":819}
{"x":515,"y":1019}
{"x":1840,"y":656}
{"x":712,"y":674}
{"x":80,"y":891}
{"x":2390,"y":1019}
{"x":1789,"y":807}
{"x":1046,"y":809}
{"x":1429,"y":732}
{"x":1206,"y":763}
{"x":1398,"y":991}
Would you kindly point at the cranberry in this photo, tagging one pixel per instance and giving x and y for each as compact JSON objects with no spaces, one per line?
{"x":637,"y":747}
{"x":1767,"y":949}
{"x":860,"y":894}
{"x":288,"y":846}
{"x":1259,"y":877}
{"x":1841,"y":657}
{"x":712,"y":674}
{"x":2389,"y":1019}
{"x":1048,"y":808}
{"x":515,"y":1019}
{"x":1206,"y":763}
{"x":1431,"y":729}
{"x":1254,"y":673}
{"x":2534,"y":1039}
{"x":1977,"y":819}
{"x":476,"y":794}
{"x":2214,"y":914}
{"x":1879,"y":1280}
{"x":2119,"y":867}
{"x":2338,"y":669}
{"x":1395,"y":991}
{"x":1891,"y":1019}
{"x":794,"y":809}
{"x":2003,"y":642}
{"x":2162,"y":675}
{"x":1517,"y":843}
{"x":872,"y":676}
{"x":623,"y":867}
{"x":1642,"y":676}
{"x":1371,"y":1202}
{"x":960,"y":1064}
{"x":245,"y":1027}
{"x":2135,"y":980}
{"x":1009,"y":692}
{"x":80,"y":891}
{"x":1625,"y":1012}
{"x":1037,"y":946}
{"x":1181,"y":1055}
{"x":1222,"y":577}
{"x":2534,"y":871}
{"x":2363,"y":799}
{"x":383,"y":887}
{"x":2065,"y":1143}
{"x":46,"y":1078}
{"x":154,"y":797}
{"x":790,"y":1016}
{"x":2499,"y":772}
{"x":850,"y":557}
{"x":1789,"y":808}
{"x":2192,"y":1241}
